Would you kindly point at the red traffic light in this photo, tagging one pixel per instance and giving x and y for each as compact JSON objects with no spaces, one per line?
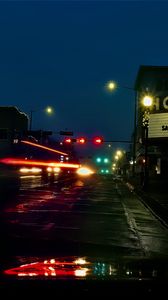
{"x":81,"y":140}
{"x":68,"y":141}
{"x":98,"y":140}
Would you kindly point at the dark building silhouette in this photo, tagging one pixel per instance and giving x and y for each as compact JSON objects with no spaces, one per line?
{"x":153,"y":81}
{"x":13,"y":123}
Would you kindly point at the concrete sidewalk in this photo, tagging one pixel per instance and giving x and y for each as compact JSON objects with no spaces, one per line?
{"x":156,"y":196}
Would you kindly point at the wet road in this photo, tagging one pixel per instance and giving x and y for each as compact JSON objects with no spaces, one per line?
{"x":95,"y":216}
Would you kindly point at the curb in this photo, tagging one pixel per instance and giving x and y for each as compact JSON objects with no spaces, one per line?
{"x":156,"y":208}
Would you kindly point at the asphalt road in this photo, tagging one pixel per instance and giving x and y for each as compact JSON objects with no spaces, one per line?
{"x":97,"y":216}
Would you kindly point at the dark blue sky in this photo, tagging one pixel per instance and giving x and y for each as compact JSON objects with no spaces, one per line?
{"x":62,"y":54}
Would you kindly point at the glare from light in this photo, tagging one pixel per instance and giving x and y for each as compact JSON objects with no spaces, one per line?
{"x":22,"y":274}
{"x":36,"y":170}
{"x":16,"y":161}
{"x":111,"y":85}
{"x":52,"y":261}
{"x":30,"y":170}
{"x":49,"y":169}
{"x":80,"y":261}
{"x":24,"y":170}
{"x":119,"y":152}
{"x":84,"y":171}
{"x":106,"y":160}
{"x":51,"y":164}
{"x":81,"y":272}
{"x":49,"y":110}
{"x":56,"y":170}
{"x":116,"y":157}
{"x":147,"y":101}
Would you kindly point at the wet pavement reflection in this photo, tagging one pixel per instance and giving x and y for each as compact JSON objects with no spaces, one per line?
{"x":97,"y":216}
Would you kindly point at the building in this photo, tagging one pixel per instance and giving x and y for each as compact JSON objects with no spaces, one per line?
{"x":153,"y":80}
{"x":13,"y":123}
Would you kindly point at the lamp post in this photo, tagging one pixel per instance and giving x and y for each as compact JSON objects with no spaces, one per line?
{"x":49,"y":110}
{"x":147,"y":102}
{"x":111,"y":85}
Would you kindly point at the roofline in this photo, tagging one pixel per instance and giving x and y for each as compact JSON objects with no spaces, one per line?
{"x":16,"y":108}
{"x":144,"y":68}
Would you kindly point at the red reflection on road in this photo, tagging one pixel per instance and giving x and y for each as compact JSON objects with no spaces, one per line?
{"x":50,"y":268}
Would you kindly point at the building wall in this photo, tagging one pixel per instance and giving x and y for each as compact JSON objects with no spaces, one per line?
{"x":154,"y":81}
{"x":12,"y":124}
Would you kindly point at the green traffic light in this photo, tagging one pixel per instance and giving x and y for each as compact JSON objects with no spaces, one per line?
{"x":98,"y":159}
{"x":106,"y":160}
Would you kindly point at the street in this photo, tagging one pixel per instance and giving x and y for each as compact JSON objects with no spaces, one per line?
{"x":96,"y":216}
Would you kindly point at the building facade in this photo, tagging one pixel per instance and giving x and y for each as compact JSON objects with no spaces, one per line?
{"x":153,"y":81}
{"x":13,"y":123}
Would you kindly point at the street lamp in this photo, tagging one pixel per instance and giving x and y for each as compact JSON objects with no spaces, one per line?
{"x":147,"y":102}
{"x":49,"y":110}
{"x":111,"y":86}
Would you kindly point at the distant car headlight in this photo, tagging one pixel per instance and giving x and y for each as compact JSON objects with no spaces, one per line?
{"x":49,"y":169}
{"x":30,"y":170}
{"x":84,"y":171}
{"x":56,"y":170}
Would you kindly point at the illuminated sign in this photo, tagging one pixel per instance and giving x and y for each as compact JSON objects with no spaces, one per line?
{"x":158,"y":125}
{"x":160,"y":104}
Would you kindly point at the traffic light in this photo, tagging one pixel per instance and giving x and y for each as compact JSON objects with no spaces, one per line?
{"x":81,"y":140}
{"x":69,"y":140}
{"x":106,"y":160}
{"x":98,"y":140}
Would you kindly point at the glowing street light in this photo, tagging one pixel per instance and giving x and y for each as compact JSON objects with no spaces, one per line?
{"x":147,"y":102}
{"x":49,"y":110}
{"x":119,"y":153}
{"x":111,"y":85}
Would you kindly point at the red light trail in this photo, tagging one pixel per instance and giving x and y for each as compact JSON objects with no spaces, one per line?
{"x":43,"y":147}
{"x":16,"y":161}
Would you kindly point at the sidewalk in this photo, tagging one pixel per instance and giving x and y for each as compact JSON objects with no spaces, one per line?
{"x":156,"y":197}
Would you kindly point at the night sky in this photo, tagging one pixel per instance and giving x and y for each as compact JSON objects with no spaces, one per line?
{"x":62,"y":54}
